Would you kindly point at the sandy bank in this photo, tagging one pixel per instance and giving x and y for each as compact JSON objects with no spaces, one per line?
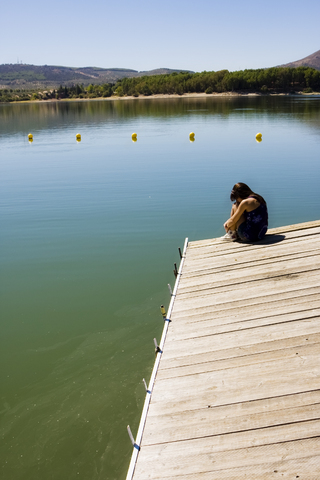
{"x":174,"y":95}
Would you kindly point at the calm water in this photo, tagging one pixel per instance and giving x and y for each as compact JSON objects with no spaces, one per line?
{"x":89,"y":235}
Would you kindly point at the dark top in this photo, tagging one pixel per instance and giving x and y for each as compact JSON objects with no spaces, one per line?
{"x":255,"y":225}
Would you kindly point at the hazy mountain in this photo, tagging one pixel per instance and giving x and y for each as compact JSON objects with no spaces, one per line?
{"x":27,"y":76}
{"x":312,"y":61}
{"x":45,"y":76}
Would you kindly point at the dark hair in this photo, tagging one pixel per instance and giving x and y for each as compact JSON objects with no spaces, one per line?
{"x":241,"y":190}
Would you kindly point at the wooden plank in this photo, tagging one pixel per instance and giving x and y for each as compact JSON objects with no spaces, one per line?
{"x":191,"y":364}
{"x":200,"y":423}
{"x":216,"y":317}
{"x":249,"y":274}
{"x":235,"y":261}
{"x":290,"y":460}
{"x":236,"y":450}
{"x":278,"y":304}
{"x":297,"y":226}
{"x":223,"y":303}
{"x":304,"y":468}
{"x":238,"y":409}
{"x":244,"y":338}
{"x":223,"y":325}
{"x":226,"y":250}
{"x":250,"y":271}
{"x":244,"y":383}
{"x":190,"y":358}
{"x":258,"y":290}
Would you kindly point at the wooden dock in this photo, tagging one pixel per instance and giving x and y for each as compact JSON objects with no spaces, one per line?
{"x":236,"y":392}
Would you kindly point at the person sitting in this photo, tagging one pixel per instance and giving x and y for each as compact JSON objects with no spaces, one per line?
{"x":249,"y":215}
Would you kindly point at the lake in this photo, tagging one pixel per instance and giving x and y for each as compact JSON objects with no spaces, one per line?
{"x":90,"y":233}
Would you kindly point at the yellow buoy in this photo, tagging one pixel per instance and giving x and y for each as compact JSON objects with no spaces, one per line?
{"x":259,"y":135}
{"x":134,"y":137}
{"x":30,"y":136}
{"x":191,"y":137}
{"x":78,"y":137}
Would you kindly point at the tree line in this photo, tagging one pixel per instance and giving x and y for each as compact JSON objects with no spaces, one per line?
{"x":269,"y":80}
{"x":75,"y":91}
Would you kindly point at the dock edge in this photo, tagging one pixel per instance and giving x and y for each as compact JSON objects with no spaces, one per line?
{"x":136,"y":447}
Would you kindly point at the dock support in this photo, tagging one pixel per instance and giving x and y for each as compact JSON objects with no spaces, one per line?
{"x":131,"y":438}
{"x":175,"y":271}
{"x":157,"y":348}
{"x":145,"y":385}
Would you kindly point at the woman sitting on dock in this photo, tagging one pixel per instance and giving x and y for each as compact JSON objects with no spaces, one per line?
{"x":249,"y":215}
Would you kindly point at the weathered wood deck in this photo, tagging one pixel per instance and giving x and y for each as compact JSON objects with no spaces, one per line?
{"x":237,"y":391}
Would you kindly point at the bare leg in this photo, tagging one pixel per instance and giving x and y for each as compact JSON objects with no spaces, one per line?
{"x":234,"y":208}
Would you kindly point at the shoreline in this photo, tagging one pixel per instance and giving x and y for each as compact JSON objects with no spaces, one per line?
{"x":166,"y":96}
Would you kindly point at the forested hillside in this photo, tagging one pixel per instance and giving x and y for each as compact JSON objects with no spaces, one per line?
{"x":263,"y":81}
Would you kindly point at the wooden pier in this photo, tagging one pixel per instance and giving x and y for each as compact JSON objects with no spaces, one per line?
{"x":235,"y":392}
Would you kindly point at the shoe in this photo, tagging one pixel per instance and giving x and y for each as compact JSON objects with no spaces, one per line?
{"x":230,"y":236}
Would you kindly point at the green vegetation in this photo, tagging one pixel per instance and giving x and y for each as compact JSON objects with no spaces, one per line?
{"x":270,"y":80}
{"x":265,"y":81}
{"x":73,"y":92}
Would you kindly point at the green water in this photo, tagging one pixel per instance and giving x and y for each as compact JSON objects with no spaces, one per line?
{"x":89,"y":235}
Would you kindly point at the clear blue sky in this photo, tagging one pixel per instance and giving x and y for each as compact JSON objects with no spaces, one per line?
{"x":143,"y":35}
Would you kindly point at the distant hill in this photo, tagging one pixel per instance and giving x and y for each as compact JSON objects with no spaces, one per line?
{"x":28,"y":76}
{"x":312,"y":61}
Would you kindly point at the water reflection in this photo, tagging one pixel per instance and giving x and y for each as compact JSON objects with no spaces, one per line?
{"x":21,"y":118}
